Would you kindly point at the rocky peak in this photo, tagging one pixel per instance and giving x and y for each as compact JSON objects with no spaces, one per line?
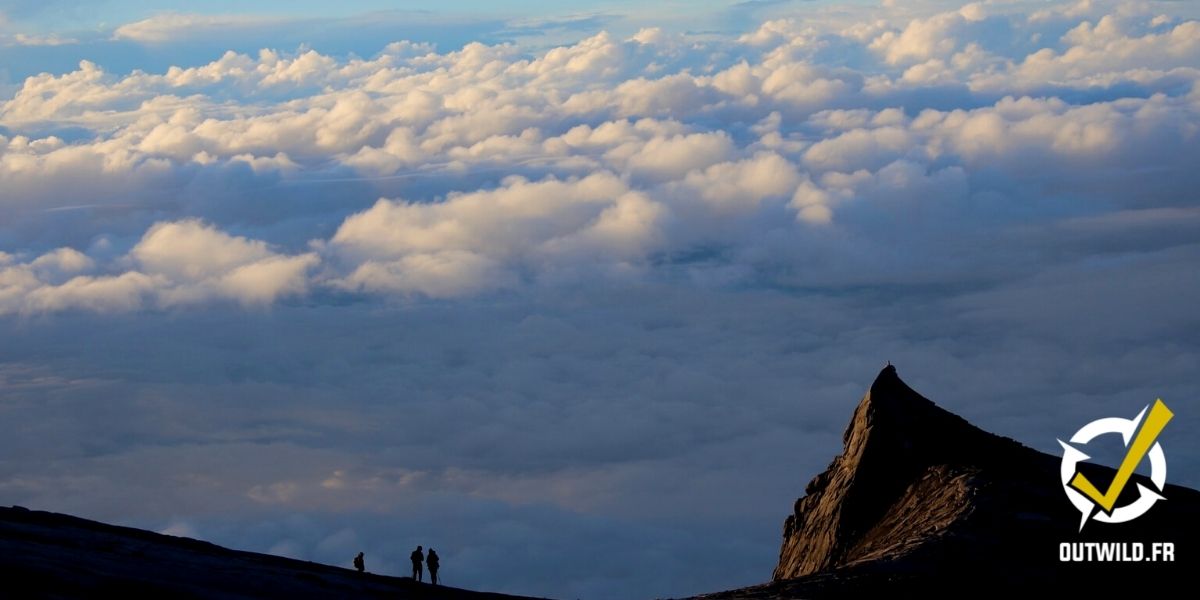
{"x":920,"y":503}
{"x":896,"y":440}
{"x":919,"y":492}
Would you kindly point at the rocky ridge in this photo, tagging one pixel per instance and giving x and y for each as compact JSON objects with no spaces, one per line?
{"x":50,"y":555}
{"x":920,"y":502}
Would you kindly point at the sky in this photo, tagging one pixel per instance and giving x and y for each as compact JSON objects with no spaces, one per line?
{"x":580,"y":294}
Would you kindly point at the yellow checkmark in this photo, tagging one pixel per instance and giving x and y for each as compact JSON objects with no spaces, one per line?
{"x":1158,"y":418}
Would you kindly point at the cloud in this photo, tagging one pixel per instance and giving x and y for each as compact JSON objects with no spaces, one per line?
{"x":485,"y":240}
{"x":24,"y":39}
{"x":205,"y":262}
{"x":741,"y":186}
{"x":587,"y":160}
{"x":670,"y":158}
{"x":189,"y":250}
{"x":175,"y":263}
{"x":1103,"y":51}
{"x":100,"y":294}
{"x":173,"y":26}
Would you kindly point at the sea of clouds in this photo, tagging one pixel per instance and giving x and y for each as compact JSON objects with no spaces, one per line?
{"x":586,"y":317}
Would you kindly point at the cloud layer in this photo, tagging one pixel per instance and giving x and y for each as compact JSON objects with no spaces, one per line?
{"x":604,"y":158}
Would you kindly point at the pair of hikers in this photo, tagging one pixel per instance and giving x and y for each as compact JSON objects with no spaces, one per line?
{"x":417,"y":558}
{"x":432,"y":561}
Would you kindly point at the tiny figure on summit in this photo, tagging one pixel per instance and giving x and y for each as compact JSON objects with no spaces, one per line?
{"x":417,"y":558}
{"x":432,"y":561}
{"x":358,"y":562}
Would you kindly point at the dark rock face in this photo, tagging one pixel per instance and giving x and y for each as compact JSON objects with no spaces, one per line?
{"x":921,"y":498}
{"x":48,"y":555}
{"x":908,"y":471}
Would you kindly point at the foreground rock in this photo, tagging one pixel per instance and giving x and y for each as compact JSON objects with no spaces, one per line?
{"x":48,"y":555}
{"x":922,"y":502}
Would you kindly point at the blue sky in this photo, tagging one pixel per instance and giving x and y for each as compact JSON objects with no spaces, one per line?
{"x":85,"y":15}
{"x":73,"y":15}
{"x":360,"y":27}
{"x":563,"y":282}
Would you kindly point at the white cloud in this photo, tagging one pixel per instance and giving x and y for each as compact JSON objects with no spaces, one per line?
{"x":124,"y":292}
{"x":25,"y":39}
{"x":921,"y":39}
{"x":175,"y":264}
{"x":770,"y":32}
{"x":812,"y":204}
{"x":741,"y":186}
{"x":1103,"y":52}
{"x":671,"y":157}
{"x":440,"y":274}
{"x":479,"y":241}
{"x":599,"y":157}
{"x":45,"y":96}
{"x":198,"y":262}
{"x":263,"y":282}
{"x":64,"y":261}
{"x":860,"y":148}
{"x":174,"y":26}
{"x":190,"y":250}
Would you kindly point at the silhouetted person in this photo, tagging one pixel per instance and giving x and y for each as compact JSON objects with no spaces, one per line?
{"x":432,"y":561}
{"x":358,"y":562}
{"x":417,"y":558}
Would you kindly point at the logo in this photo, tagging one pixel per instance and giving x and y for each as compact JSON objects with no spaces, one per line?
{"x":1140,"y":435}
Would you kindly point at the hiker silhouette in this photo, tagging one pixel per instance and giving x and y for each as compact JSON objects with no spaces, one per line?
{"x":358,"y":562}
{"x":417,"y":558}
{"x":432,"y":561}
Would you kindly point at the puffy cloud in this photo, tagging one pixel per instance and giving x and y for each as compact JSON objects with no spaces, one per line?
{"x":440,"y":274}
{"x":506,"y":221}
{"x":63,"y":261}
{"x":613,"y":160}
{"x":921,"y":39}
{"x":190,"y":250}
{"x":124,"y":292}
{"x":174,"y":264}
{"x":199,"y":261}
{"x":670,"y":158}
{"x":742,"y":185}
{"x":483,"y":240}
{"x":45,"y":96}
{"x":812,"y":204}
{"x":597,"y":56}
{"x":859,"y":148}
{"x":1103,"y":52}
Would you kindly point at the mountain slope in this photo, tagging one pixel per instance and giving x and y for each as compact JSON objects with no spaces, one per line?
{"x":922,"y":501}
{"x":48,"y":555}
{"x":909,"y":470}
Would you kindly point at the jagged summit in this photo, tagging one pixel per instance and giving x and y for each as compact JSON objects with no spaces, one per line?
{"x":892,"y":408}
{"x":918,"y":490}
{"x":905,"y":427}
{"x":894,"y":436}
{"x":853,"y":510}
